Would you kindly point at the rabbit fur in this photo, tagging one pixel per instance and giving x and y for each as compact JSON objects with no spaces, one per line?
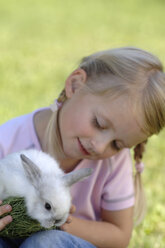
{"x":37,"y":177}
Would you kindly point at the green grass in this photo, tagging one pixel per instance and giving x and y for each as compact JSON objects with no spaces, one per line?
{"x":22,"y":225}
{"x":42,"y":41}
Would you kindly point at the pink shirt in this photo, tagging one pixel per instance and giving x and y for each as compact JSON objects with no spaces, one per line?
{"x":109,"y":187}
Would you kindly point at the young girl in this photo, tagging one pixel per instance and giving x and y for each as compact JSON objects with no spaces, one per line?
{"x":113,"y":101}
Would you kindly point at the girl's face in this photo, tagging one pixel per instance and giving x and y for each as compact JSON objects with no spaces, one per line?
{"x":95,"y":127}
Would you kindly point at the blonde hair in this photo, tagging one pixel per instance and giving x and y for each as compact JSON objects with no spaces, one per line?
{"x":140,"y":75}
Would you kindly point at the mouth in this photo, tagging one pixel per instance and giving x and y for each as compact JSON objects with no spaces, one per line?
{"x":82,"y":148}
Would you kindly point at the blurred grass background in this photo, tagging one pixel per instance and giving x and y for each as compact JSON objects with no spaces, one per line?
{"x":41,"y":42}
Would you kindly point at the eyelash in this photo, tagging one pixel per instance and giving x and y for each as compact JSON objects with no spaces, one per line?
{"x":96,"y":123}
{"x":114,"y":145}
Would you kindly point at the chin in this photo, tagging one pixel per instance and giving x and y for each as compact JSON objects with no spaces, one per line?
{"x":47,"y":224}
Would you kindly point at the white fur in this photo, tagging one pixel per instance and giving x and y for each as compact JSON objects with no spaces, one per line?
{"x":49,"y":186}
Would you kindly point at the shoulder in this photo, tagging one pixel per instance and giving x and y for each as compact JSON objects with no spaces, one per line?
{"x":113,"y":174}
{"x":120,"y":167}
{"x":110,"y":186}
{"x":120,"y":156}
{"x":121,"y":160}
{"x":111,"y":168}
{"x":119,"y":189}
{"x":16,"y":134}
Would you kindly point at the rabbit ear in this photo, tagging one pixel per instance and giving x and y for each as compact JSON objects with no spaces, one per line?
{"x":76,"y":176}
{"x":32,"y":171}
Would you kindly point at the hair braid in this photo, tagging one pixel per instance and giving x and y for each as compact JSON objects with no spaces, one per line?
{"x":62,"y":97}
{"x":140,"y":201}
{"x":139,"y":150}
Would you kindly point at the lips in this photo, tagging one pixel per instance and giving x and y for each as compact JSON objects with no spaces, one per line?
{"x":82,"y":148}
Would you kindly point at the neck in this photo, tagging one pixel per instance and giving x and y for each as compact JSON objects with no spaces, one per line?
{"x":68,"y":164}
{"x":41,"y":121}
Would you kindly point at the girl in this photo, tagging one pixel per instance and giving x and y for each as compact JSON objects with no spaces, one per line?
{"x":113,"y":101}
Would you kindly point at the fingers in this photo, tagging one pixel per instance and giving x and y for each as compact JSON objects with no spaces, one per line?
{"x":5,"y":209}
{"x":69,"y":219}
{"x":72,"y":209}
{"x":7,"y":219}
{"x":64,"y":227}
{"x":67,"y":224}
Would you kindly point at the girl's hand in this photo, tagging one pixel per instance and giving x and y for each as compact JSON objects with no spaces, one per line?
{"x":69,"y":219}
{"x":7,"y":219}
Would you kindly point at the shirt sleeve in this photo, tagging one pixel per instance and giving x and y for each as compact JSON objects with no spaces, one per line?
{"x":1,"y":152}
{"x":118,"y":192}
{"x":18,"y":134}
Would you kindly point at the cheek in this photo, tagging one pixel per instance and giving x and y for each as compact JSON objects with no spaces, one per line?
{"x":78,"y":124}
{"x":75,"y":120}
{"x":72,"y":124}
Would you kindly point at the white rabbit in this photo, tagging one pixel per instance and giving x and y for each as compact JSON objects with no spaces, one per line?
{"x":38,"y":178}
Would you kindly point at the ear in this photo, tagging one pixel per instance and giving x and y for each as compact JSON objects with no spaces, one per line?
{"x":76,"y":176}
{"x":32,"y":171}
{"x":75,"y":81}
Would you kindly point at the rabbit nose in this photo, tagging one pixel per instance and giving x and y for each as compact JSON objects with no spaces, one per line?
{"x":57,"y":221}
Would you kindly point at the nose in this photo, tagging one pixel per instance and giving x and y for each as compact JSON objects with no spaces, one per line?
{"x":57,"y":221}
{"x":101,"y":143}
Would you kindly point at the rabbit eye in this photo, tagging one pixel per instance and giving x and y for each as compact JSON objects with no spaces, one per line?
{"x":47,"y":206}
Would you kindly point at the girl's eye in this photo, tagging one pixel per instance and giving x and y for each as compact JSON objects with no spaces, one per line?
{"x":115,"y":146}
{"x":96,"y":123}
